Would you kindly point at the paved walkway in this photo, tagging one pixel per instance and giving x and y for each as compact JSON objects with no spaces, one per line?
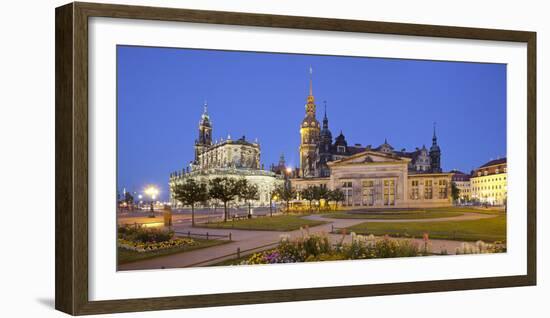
{"x":252,"y":241}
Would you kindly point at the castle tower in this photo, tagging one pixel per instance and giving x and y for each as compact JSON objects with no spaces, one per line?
{"x":435,"y":154}
{"x":204,"y":139}
{"x":325,"y":145}
{"x":310,"y":135}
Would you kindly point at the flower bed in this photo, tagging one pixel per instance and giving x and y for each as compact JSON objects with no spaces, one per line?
{"x":481,"y":247}
{"x":154,"y":246}
{"x":141,"y":239}
{"x":313,"y":248}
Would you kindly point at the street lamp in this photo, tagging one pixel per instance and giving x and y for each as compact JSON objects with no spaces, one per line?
{"x":152,"y":191}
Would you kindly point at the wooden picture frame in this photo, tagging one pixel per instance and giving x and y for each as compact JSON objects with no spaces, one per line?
{"x":71,"y":124}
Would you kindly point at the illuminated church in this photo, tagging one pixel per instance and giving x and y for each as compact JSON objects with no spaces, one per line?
{"x":233,"y":158}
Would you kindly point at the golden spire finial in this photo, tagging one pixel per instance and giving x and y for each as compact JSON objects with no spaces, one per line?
{"x":310,"y":81}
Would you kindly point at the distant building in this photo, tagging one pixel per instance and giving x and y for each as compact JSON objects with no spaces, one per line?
{"x":462,"y":182}
{"x":369,"y":176}
{"x":226,"y":158}
{"x":489,"y":184}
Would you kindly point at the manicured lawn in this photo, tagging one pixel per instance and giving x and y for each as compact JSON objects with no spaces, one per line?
{"x":417,"y":214}
{"x":276,"y":223}
{"x":467,"y":210}
{"x":488,"y":230}
{"x":128,"y":256}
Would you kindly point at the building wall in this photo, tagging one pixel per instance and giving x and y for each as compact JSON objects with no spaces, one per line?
{"x":383,"y":184}
{"x":465,"y":191}
{"x":300,"y":184}
{"x":489,"y":184}
{"x":491,"y":189}
{"x":421,"y":185}
{"x":229,"y":154}
{"x":358,"y":179}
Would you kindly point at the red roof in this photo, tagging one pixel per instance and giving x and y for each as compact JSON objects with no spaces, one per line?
{"x":494,"y":162}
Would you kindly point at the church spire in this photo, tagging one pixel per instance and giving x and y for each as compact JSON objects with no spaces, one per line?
{"x":310,"y":81}
{"x":204,"y":116}
{"x":310,"y":106}
{"x":434,"y":138}
{"x":435,"y":154}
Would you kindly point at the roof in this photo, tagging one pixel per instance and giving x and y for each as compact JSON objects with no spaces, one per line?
{"x":355,"y":150}
{"x":494,"y":162}
{"x":368,"y":153}
{"x":458,"y":172}
{"x":459,"y":175}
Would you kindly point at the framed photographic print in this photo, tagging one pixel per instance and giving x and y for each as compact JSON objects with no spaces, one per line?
{"x":211,"y":158}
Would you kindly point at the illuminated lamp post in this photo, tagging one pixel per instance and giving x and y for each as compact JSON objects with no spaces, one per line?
{"x":152,"y":191}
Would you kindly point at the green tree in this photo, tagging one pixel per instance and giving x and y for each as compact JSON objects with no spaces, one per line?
{"x":285,"y":194}
{"x":320,"y":193}
{"x":309,"y":195}
{"x":272,"y":196}
{"x":455,"y":192}
{"x":189,"y":193}
{"x":248,"y":193}
{"x":226,"y":190}
{"x":336,"y":195}
{"x":128,"y":198}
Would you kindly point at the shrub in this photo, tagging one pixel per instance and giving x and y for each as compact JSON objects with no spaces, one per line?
{"x":313,"y":248}
{"x":153,"y":235}
{"x":143,"y":234}
{"x":326,"y":257}
{"x":481,"y":247}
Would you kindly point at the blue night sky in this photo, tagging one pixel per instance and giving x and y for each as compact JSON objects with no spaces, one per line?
{"x":161,"y":92}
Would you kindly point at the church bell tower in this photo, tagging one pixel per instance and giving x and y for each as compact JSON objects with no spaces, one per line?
{"x":309,"y":136}
{"x":204,"y":139}
{"x":435,"y":154}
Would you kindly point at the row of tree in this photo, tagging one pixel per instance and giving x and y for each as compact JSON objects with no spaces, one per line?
{"x":317,"y":193}
{"x":226,"y":190}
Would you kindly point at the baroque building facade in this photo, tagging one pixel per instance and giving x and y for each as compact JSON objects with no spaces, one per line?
{"x":233,"y":158}
{"x":369,"y":176}
{"x":317,"y":148}
{"x":489,"y":184}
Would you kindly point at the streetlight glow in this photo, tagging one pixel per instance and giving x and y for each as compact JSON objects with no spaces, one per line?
{"x":152,"y":191}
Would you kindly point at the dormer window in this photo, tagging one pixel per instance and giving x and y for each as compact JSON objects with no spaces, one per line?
{"x":341,"y":149}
